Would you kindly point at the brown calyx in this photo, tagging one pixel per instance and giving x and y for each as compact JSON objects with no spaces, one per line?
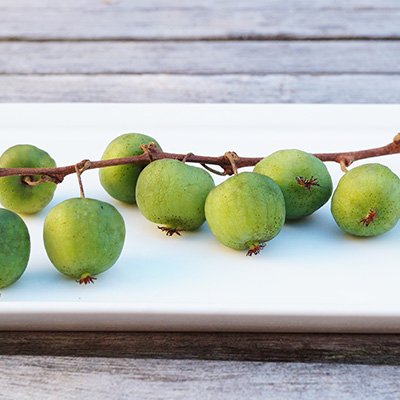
{"x":372,"y":215}
{"x":307,"y":183}
{"x":255,"y":249}
{"x":170,"y":231}
{"x":86,"y":278}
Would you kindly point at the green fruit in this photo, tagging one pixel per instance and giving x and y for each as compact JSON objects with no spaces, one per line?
{"x":83,"y":237}
{"x":366,"y":201}
{"x":172,"y":193}
{"x":304,"y":180}
{"x":120,"y":181}
{"x":15,"y":194}
{"x":15,"y":247}
{"x":245,"y":211}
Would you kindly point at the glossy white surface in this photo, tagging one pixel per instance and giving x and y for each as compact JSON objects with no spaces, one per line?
{"x":311,"y":277}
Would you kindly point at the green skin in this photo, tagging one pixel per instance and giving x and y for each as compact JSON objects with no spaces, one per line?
{"x":83,"y":237}
{"x":245,"y":210}
{"x":18,"y":196}
{"x":362,"y":189}
{"x":120,"y":181}
{"x":15,"y":246}
{"x":284,"y":166}
{"x":172,"y":193}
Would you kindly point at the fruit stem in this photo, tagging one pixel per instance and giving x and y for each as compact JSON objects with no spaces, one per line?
{"x":186,"y":157}
{"x":30,"y":181}
{"x":79,"y":169}
{"x":78,"y":174}
{"x":232,"y":157}
{"x":214,"y":171}
{"x":344,"y":164}
{"x":146,"y":151}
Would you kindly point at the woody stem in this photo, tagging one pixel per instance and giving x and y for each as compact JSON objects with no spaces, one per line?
{"x":229,"y":164}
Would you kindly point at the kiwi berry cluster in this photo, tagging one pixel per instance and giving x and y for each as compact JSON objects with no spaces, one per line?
{"x":84,"y":237}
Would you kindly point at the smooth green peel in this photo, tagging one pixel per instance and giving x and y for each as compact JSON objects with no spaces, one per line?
{"x":172,"y":193}
{"x":366,"y":201}
{"x":245,"y":211}
{"x":304,"y":180}
{"x":120,"y":181}
{"x":15,"y":247}
{"x":83,"y":236}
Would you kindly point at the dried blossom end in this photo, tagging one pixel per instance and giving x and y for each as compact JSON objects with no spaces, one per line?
{"x":86,"y":278}
{"x":255,"y":249}
{"x":170,"y":231}
{"x":307,"y":183}
{"x":372,"y":215}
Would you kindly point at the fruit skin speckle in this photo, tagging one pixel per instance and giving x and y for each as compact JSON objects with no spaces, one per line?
{"x":304,"y":180}
{"x":245,"y":210}
{"x":83,"y":236}
{"x":172,"y":193}
{"x":15,"y":247}
{"x":366,"y":201}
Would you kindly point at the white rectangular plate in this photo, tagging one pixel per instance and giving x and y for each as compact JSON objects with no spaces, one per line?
{"x":311,"y":277}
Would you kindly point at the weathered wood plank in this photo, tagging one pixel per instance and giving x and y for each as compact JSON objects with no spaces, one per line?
{"x":86,"y":5}
{"x":125,"y":19}
{"x":66,"y":377}
{"x":305,"y":348}
{"x":254,"y":57}
{"x":276,"y":88}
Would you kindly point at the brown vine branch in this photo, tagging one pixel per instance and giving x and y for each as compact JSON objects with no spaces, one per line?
{"x":347,"y":158}
{"x":152,"y":153}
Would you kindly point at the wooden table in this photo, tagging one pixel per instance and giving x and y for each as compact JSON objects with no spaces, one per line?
{"x":296,"y":51}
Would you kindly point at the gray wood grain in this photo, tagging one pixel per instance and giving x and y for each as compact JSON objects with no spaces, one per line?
{"x":71,"y":377}
{"x":364,"y":349}
{"x":90,"y":5}
{"x":202,"y":58}
{"x":276,"y":88}
{"x":125,"y":19}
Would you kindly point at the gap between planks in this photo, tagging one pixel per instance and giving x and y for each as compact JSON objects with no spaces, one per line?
{"x":232,"y":38}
